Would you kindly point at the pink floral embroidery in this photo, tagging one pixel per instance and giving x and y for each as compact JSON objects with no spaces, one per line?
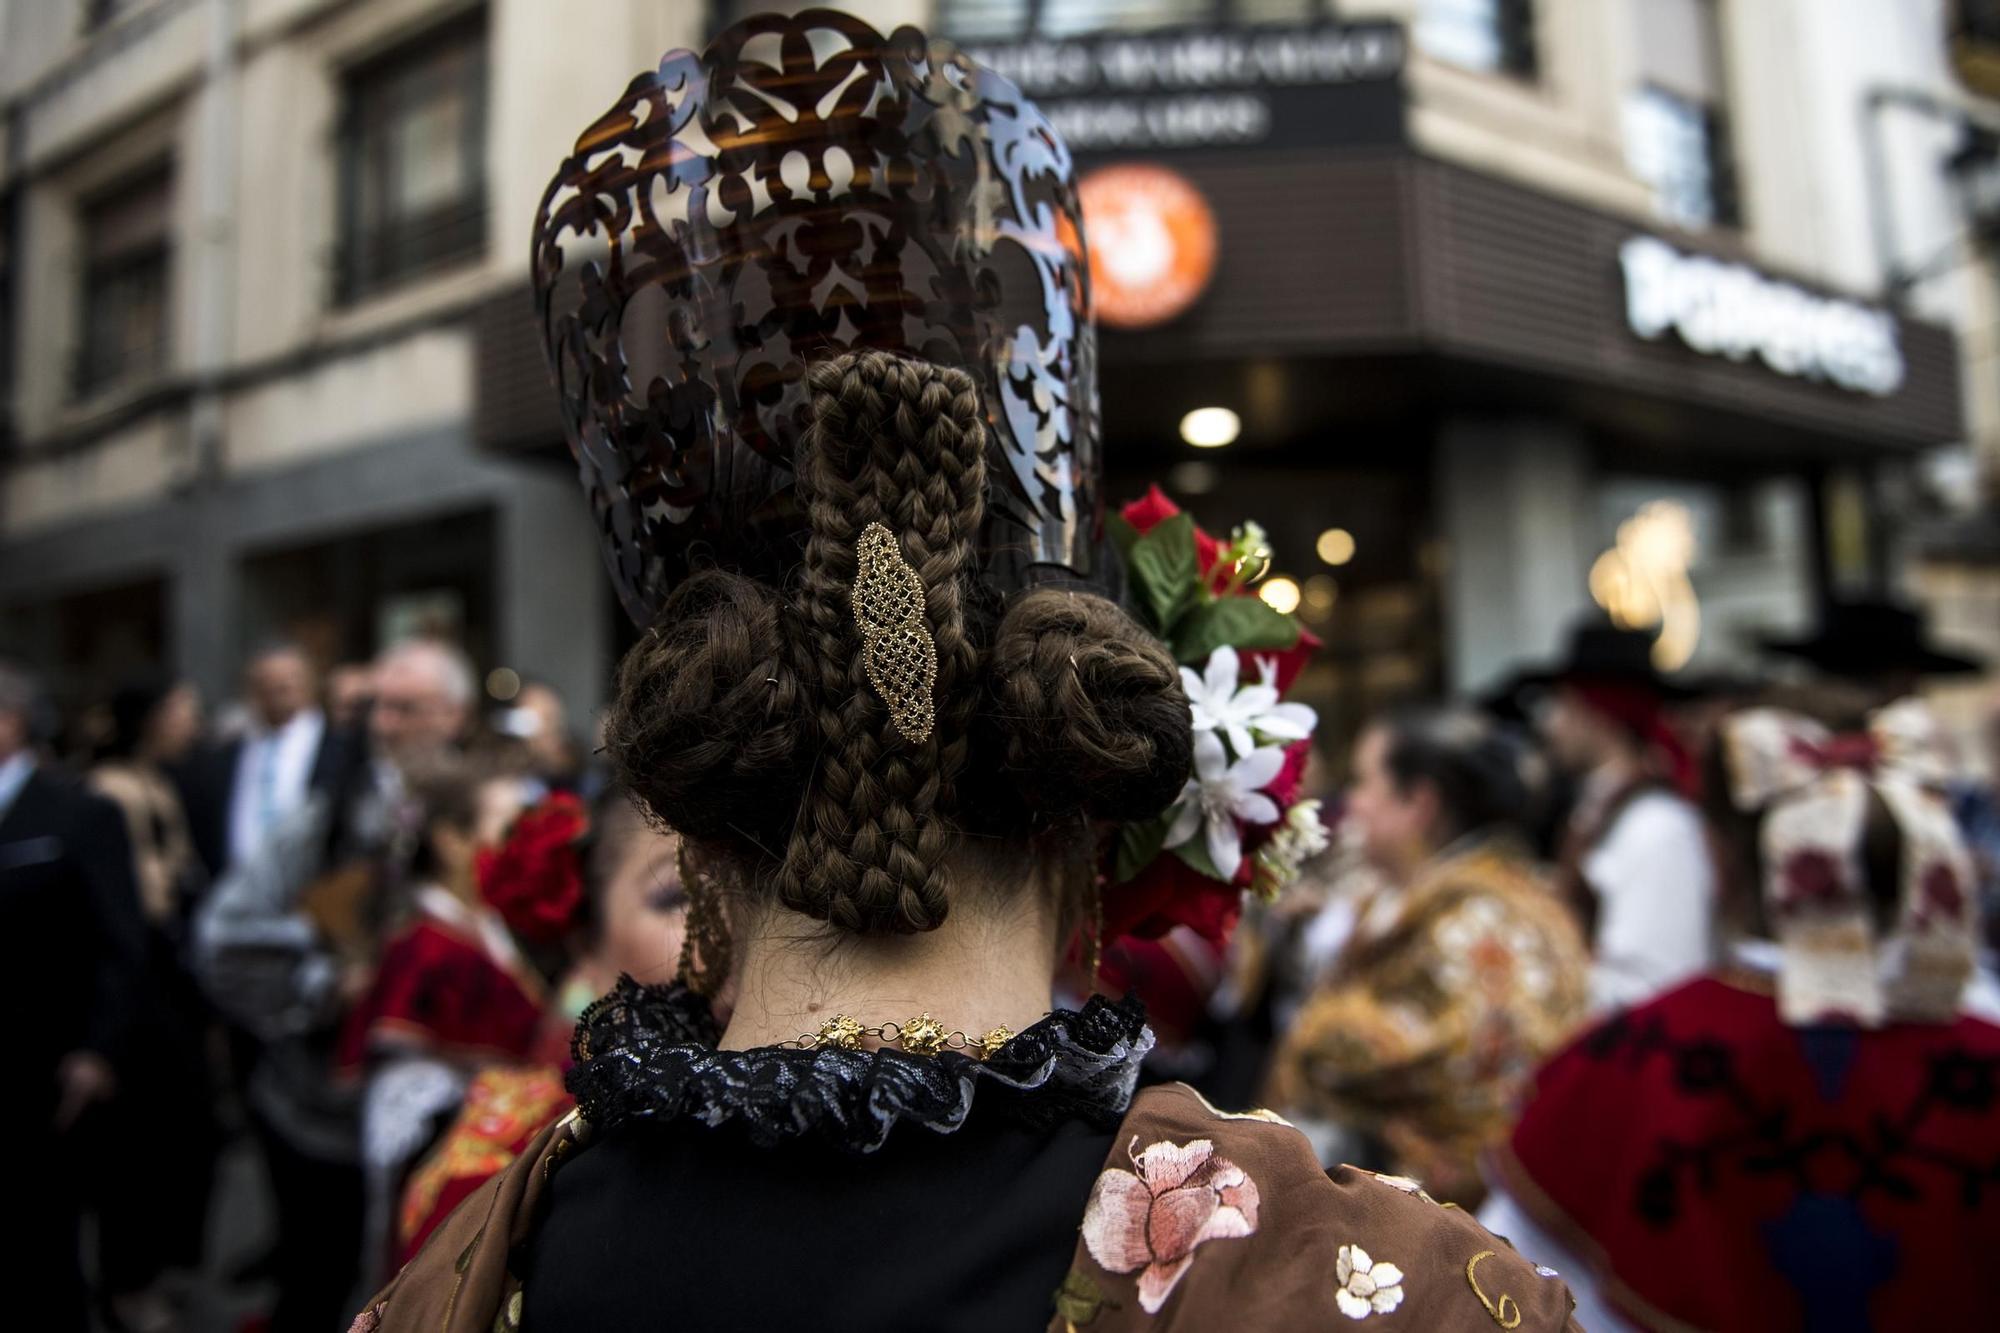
{"x":1812,"y":879}
{"x":1940,"y":895}
{"x":368,"y":1320}
{"x":1149,"y":1223}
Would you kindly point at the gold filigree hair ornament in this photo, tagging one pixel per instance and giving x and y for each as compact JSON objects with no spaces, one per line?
{"x":897,"y":650}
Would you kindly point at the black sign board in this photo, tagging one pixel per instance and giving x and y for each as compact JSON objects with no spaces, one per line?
{"x":1282,"y":86}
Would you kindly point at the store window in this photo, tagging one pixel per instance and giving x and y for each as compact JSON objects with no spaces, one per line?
{"x":1676,"y":123}
{"x":1492,"y":36}
{"x":998,"y":20}
{"x":127,"y":248}
{"x":413,"y":177}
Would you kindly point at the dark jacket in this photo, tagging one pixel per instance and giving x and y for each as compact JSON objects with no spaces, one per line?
{"x":207,"y":783}
{"x":76,"y":941}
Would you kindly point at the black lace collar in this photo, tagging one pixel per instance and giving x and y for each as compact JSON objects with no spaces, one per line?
{"x":647,"y":1054}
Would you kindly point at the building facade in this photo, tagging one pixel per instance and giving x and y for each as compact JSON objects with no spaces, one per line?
{"x":245,"y":246}
{"x":1509,"y":299}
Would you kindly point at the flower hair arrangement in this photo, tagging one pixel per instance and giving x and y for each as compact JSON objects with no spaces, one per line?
{"x":534,"y":879}
{"x":1239,"y":824}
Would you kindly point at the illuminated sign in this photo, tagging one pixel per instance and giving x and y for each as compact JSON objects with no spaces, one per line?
{"x":1732,"y":310}
{"x":1213,"y":86}
{"x":1152,"y":243}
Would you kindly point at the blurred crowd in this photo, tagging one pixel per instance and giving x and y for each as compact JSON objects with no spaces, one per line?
{"x":309,"y":924}
{"x":349,"y":921}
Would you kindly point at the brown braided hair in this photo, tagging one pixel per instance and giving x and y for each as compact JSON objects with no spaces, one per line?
{"x":902,"y":443}
{"x":746,"y":719}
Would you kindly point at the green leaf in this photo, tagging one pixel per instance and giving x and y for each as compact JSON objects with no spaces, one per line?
{"x":1161,"y":567}
{"x":1138,"y":845}
{"x":1240,"y":622}
{"x":1123,"y":535}
{"x":1195,"y":852}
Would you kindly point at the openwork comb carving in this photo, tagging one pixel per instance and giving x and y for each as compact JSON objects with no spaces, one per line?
{"x":897,"y":650}
{"x":805,"y":187}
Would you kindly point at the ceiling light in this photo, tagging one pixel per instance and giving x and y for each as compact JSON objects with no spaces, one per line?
{"x":1211,"y":427}
{"x":1193,"y":477}
{"x":1335,"y":546}
{"x":1280,"y":594}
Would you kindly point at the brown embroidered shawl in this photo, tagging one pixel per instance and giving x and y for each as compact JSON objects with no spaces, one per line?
{"x":1201,"y":1220}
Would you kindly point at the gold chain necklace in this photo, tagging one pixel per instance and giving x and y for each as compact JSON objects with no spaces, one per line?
{"x":922,"y":1035}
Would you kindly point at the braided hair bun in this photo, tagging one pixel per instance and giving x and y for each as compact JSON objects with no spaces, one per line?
{"x":708,"y":723}
{"x":1089,"y":709}
{"x":746,"y":716}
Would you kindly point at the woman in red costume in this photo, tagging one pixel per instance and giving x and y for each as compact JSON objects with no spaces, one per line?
{"x":1808,"y":1137}
{"x":453,"y":991}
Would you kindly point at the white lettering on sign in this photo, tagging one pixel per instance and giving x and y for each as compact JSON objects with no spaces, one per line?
{"x":1094,"y":126}
{"x":1194,"y":59}
{"x":1732,"y":310}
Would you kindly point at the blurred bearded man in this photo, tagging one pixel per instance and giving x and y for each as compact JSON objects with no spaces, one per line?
{"x":287,"y":941}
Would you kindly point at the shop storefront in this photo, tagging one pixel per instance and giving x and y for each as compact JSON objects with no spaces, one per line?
{"x":1451,"y":392}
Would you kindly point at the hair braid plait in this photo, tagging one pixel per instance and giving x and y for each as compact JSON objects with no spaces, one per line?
{"x":902,"y":443}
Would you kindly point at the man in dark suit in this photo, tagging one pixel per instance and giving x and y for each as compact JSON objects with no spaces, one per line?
{"x":237,"y":792}
{"x":75,"y":938}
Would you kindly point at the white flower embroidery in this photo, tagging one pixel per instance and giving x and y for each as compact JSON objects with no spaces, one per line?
{"x":1222,"y":707}
{"x":1219,"y":794}
{"x":1366,"y":1287}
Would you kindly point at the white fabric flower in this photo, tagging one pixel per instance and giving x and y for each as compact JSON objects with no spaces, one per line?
{"x":1241,"y":712}
{"x":1219,"y":794}
{"x":1366,"y":1287}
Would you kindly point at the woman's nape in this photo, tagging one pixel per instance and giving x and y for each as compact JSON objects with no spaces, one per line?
{"x":991,"y":963}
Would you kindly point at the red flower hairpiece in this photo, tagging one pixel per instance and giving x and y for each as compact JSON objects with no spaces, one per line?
{"x":534,"y":879}
{"x":1240,"y":825}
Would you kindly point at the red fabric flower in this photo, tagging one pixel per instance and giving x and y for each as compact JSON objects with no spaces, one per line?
{"x":1167,"y":893}
{"x":1289,"y":661}
{"x":535,"y":879}
{"x":1284,"y":788}
{"x":1154,"y":508}
{"x":1149,"y":510}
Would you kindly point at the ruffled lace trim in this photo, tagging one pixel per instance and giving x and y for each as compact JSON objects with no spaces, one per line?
{"x":647,"y":1053}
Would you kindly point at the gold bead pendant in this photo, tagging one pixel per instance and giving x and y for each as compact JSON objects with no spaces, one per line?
{"x":922,"y":1036}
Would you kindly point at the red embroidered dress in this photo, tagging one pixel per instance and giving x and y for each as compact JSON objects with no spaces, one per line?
{"x":1725,"y":1171}
{"x":451,"y":984}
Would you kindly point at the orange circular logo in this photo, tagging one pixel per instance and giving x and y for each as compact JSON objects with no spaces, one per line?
{"x":1152,"y":243}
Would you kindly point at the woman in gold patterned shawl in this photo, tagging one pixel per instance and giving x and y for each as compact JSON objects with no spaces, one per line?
{"x":1459,"y":977}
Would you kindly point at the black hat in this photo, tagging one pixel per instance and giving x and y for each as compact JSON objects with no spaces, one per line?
{"x":1867,"y":637}
{"x":1603,"y":653}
